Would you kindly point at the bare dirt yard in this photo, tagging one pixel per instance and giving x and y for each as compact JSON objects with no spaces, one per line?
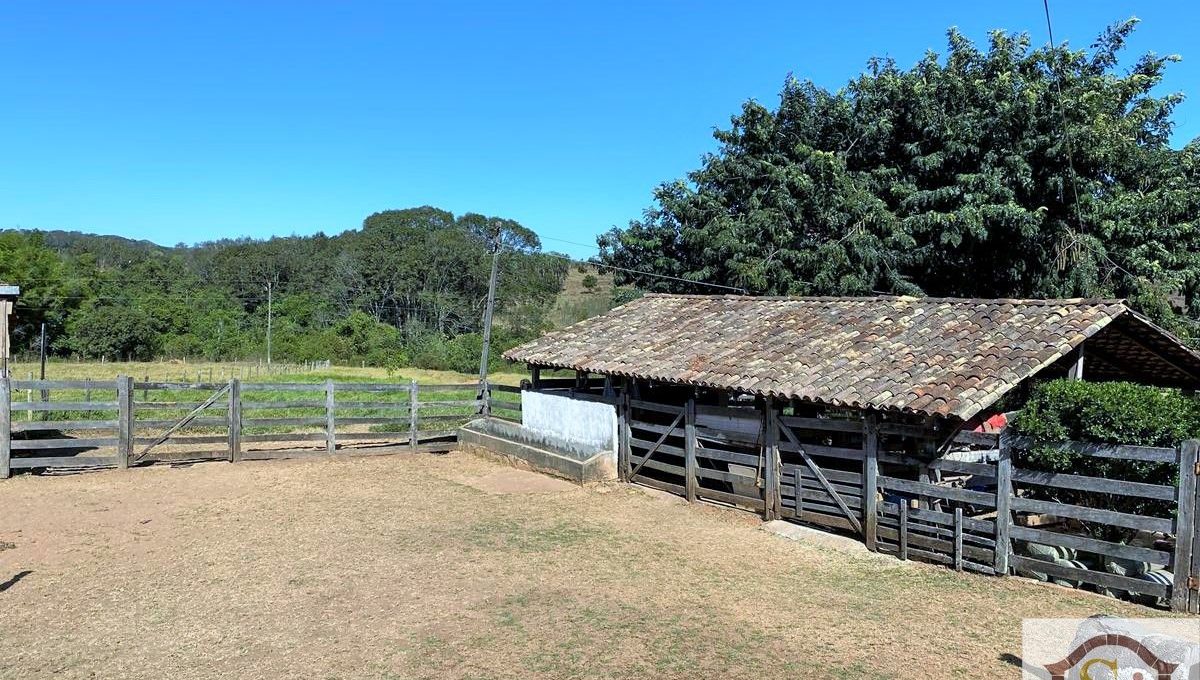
{"x":422,"y":566}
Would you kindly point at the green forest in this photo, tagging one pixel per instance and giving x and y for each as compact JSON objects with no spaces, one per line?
{"x":407,"y":289}
{"x":1006,"y":171}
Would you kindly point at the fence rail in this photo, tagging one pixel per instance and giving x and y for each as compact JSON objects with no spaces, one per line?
{"x":116,"y":423}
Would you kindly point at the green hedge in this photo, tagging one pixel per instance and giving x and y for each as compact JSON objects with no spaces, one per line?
{"x":1105,"y":413}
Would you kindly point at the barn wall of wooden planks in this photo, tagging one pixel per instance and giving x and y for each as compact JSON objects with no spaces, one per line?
{"x":889,"y":482}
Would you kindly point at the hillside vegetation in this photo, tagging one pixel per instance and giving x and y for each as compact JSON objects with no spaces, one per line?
{"x":408,"y":289}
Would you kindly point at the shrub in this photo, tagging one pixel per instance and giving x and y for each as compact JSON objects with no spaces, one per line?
{"x":1104,"y":413}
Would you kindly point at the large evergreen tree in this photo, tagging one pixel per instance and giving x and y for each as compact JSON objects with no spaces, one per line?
{"x":1015,"y":171}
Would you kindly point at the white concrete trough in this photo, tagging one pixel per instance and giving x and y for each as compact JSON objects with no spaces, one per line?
{"x":565,"y":437}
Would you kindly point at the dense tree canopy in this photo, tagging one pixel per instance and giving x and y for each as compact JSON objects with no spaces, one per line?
{"x":955,"y":177}
{"x":409,"y":286}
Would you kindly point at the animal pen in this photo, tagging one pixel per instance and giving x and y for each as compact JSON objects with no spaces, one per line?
{"x":866,"y":416}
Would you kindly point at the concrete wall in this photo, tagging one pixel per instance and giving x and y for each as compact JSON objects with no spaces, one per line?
{"x":586,"y":424}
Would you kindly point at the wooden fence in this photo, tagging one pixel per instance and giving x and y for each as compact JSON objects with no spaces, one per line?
{"x":971,"y":509}
{"x":117,"y":423}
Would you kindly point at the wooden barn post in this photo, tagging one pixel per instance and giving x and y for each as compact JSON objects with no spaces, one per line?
{"x":623,"y":434}
{"x":689,"y":449}
{"x":772,"y":500}
{"x":1004,"y":492}
{"x":870,"y":491}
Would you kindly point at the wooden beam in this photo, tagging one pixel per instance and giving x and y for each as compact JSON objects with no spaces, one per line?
{"x":870,"y":480}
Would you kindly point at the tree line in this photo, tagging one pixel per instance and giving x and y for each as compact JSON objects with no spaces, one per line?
{"x":1010,"y":171}
{"x":408,"y":288}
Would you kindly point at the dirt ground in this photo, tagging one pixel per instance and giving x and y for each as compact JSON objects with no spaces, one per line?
{"x":423,"y":566}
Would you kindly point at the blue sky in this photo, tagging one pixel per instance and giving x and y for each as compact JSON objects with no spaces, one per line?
{"x":187,"y":121}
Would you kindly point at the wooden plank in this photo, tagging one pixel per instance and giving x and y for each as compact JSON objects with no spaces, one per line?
{"x":283,"y":422}
{"x":43,"y":444}
{"x":282,"y":437}
{"x":194,"y":422}
{"x":330,"y":421}
{"x":689,"y":450}
{"x":641,"y":405}
{"x":66,"y":406}
{"x":458,"y":387}
{"x":645,"y":445}
{"x":1119,"y":519}
{"x":1099,"y":578}
{"x":731,"y":498}
{"x":273,"y":387}
{"x":64,"y":425}
{"x":1092,"y":545}
{"x":839,"y":452}
{"x":853,"y":479}
{"x":452,"y":403}
{"x":662,"y":467}
{"x":194,"y":439}
{"x":313,"y":404}
{"x":822,"y":424}
{"x":64,"y":462}
{"x":1185,"y":525}
{"x":659,"y":484}
{"x":385,"y":420}
{"x":1151,"y":454}
{"x":935,"y":491}
{"x":938,"y":545}
{"x":870,"y":494}
{"x":1096,"y":484}
{"x":903,"y":539}
{"x":977,"y":469}
{"x":51,"y":384}
{"x":738,"y":458}
{"x":125,"y":417}
{"x":990,"y":439}
{"x":175,"y":405}
{"x":399,"y":438}
{"x":946,"y":519}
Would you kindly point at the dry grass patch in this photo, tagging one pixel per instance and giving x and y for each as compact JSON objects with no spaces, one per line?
{"x":414,"y":566}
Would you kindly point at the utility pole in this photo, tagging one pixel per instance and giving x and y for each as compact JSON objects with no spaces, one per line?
{"x":269,"y":323}
{"x":487,"y":320}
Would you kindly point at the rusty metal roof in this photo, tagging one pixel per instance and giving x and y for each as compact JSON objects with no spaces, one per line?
{"x":932,"y":356}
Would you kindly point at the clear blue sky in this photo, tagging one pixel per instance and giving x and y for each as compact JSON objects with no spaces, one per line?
{"x":187,"y":121}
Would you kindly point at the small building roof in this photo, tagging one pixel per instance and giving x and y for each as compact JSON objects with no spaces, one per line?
{"x":933,"y":356}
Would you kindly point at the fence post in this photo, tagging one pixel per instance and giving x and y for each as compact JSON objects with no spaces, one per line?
{"x":958,"y":539}
{"x":689,"y":450}
{"x":5,"y":426}
{"x":771,"y":494}
{"x":1185,"y":529}
{"x":1004,"y":492}
{"x":235,"y":420}
{"x":623,"y":415}
{"x":125,"y":420}
{"x":413,"y":419}
{"x":485,"y":398}
{"x":903,"y":539}
{"x":330,"y":434}
{"x":870,"y":489}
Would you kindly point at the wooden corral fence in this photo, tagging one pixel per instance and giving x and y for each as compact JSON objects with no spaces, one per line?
{"x":79,"y":424}
{"x":885,"y":482}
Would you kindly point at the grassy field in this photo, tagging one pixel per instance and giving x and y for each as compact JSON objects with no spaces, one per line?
{"x":417,"y":566}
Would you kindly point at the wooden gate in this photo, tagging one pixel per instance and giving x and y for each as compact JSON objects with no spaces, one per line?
{"x":812,"y":488}
{"x":657,"y":439}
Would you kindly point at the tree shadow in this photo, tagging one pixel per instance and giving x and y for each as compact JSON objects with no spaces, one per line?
{"x":14,"y":580}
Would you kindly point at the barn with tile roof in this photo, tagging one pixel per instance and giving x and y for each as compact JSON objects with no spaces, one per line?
{"x":944,"y":358}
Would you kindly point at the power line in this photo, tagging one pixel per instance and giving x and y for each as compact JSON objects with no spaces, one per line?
{"x":1063,"y":117}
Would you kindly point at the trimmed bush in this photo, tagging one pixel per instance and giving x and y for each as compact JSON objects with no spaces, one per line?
{"x":1105,"y":413}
